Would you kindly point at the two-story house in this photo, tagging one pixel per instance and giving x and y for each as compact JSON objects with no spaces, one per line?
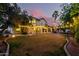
{"x":36,"y":26}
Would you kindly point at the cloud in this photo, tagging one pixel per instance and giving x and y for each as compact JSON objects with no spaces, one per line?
{"x":40,"y":13}
{"x":37,"y":13}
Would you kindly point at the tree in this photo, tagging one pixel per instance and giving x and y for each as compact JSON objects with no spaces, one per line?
{"x":25,"y":18}
{"x":71,"y":14}
{"x":11,"y":10}
{"x":13,"y":13}
{"x":3,"y":8}
{"x":55,"y":14}
{"x":66,"y":13}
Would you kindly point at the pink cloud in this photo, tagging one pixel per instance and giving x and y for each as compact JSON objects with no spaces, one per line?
{"x":38,"y":13}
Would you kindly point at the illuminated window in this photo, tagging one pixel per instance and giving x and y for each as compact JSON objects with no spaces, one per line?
{"x":67,"y":22}
{"x":33,"y":21}
{"x":18,"y":29}
{"x":29,"y":21}
{"x":71,"y":25}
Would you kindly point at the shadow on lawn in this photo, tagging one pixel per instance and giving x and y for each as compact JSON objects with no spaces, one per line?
{"x":58,"y":52}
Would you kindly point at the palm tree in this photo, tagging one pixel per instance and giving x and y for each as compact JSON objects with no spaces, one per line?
{"x":25,"y":18}
{"x":55,"y":15}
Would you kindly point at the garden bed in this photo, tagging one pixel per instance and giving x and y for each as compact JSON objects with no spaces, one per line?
{"x":4,"y":47}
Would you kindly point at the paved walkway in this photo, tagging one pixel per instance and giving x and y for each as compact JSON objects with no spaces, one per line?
{"x":72,"y":47}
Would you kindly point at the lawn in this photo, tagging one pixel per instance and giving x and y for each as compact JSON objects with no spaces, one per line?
{"x":37,"y":45}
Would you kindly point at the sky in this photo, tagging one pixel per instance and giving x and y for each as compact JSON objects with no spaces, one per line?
{"x":41,"y":9}
{"x":44,"y":9}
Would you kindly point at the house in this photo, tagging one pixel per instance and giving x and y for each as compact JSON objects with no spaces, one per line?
{"x":35,"y":26}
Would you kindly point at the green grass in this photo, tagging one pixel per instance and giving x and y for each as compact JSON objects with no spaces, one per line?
{"x":37,"y":45}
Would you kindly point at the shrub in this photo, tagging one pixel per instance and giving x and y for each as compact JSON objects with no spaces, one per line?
{"x":77,"y":34}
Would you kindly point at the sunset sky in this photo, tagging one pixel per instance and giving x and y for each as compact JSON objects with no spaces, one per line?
{"x":41,"y":9}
